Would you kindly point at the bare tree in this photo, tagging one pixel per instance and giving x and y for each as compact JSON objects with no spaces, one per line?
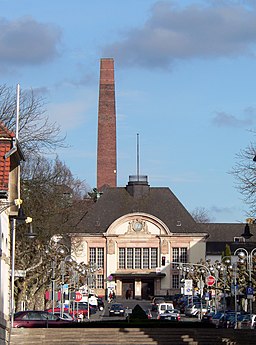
{"x":201,"y":215}
{"x":55,"y":200}
{"x":244,"y":172}
{"x":37,"y":135}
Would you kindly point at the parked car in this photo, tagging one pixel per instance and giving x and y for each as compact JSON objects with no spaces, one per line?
{"x":37,"y":318}
{"x":101,"y":304}
{"x":155,"y":302}
{"x":163,"y":307}
{"x":246,"y":321}
{"x":80,"y":308}
{"x":66,"y":316}
{"x":194,"y":309}
{"x":116,"y":309}
{"x":148,"y":313}
{"x":224,"y":320}
{"x":170,"y":315}
{"x":207,"y":317}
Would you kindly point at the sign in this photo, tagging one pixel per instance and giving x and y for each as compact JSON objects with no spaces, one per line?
{"x":188,"y":287}
{"x":20,"y":273}
{"x":210,"y":280}
{"x":249,"y":292}
{"x":79,"y":296}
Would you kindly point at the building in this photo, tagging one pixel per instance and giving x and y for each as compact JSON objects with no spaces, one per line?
{"x":10,"y":157}
{"x":138,"y":234}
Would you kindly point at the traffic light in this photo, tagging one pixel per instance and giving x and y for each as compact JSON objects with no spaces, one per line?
{"x":163,"y":260}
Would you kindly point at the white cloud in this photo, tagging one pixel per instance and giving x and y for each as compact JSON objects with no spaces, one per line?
{"x":223,"y":119}
{"x":25,"y":41}
{"x":172,"y":33}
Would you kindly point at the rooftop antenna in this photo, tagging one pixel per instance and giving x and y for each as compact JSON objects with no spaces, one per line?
{"x":138,"y":158}
{"x":14,"y":147}
{"x":17,"y":112}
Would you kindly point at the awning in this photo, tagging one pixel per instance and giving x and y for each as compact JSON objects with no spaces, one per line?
{"x":151,"y":275}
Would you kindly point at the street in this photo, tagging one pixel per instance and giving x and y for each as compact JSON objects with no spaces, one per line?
{"x":129,"y":305}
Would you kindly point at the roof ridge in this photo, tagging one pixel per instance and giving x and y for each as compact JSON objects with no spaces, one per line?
{"x":4,"y":131}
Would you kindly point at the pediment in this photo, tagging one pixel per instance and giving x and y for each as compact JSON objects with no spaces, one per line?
{"x":138,"y":224}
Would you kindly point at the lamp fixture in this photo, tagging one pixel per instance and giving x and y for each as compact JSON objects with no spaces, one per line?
{"x":247,"y":234}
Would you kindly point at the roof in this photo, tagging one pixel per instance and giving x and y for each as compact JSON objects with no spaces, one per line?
{"x":225,"y":232}
{"x":5,"y":132}
{"x":117,"y":201}
{"x":7,"y":138}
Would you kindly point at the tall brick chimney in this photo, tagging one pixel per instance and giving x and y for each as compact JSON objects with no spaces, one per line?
{"x":106,"y":155}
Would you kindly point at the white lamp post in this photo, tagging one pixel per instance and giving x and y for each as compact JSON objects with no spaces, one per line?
{"x":243,"y":254}
{"x":28,"y":220}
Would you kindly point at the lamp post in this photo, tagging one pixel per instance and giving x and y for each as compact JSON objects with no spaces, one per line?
{"x":55,"y":250}
{"x":221,"y":270}
{"x":189,"y":267}
{"x":20,"y":217}
{"x":68,"y":259}
{"x":243,"y":254}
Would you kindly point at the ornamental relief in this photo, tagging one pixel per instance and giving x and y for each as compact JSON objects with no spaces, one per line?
{"x":164,"y":247}
{"x":137,"y":226}
{"x":111,"y":247}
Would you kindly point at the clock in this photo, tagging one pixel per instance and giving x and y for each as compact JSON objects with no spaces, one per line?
{"x":137,"y":226}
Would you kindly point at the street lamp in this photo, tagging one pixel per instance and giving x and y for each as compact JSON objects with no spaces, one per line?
{"x":55,"y":250}
{"x":20,"y":217}
{"x":248,"y":258}
{"x":68,"y":259}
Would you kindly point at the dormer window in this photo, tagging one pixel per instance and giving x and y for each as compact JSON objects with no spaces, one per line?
{"x":239,"y":239}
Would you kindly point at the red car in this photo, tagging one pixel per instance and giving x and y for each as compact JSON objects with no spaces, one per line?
{"x":80,"y":309}
{"x":37,"y":318}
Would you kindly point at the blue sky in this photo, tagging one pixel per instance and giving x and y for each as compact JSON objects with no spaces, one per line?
{"x":185,"y":81}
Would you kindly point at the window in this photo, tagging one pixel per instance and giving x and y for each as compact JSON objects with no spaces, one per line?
{"x":145,"y":258}
{"x":183,"y":255}
{"x":97,"y":256}
{"x":93,"y":255}
{"x":137,"y":258}
{"x":99,"y":281}
{"x":239,"y":239}
{"x":129,"y":257}
{"x":153,"y":257}
{"x":100,"y":257}
{"x":179,"y":255}
{"x":175,"y":281}
{"x":121,"y":257}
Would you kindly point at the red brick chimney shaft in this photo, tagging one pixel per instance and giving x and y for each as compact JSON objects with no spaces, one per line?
{"x":106,"y":155}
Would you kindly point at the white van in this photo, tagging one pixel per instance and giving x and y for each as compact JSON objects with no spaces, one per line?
{"x":163,"y":307}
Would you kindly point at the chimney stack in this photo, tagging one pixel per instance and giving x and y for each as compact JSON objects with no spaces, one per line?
{"x":106,"y":150}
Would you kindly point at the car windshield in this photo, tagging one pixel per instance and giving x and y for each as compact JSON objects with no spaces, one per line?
{"x":217,"y":316}
{"x":117,"y":306}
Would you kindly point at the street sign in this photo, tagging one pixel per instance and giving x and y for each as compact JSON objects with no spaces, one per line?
{"x":188,"y":287}
{"x":79,"y":296}
{"x":210,"y":280}
{"x":20,"y":273}
{"x":249,"y":292}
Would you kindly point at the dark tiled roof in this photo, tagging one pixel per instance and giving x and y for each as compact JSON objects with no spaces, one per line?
{"x":225,"y":232}
{"x":117,"y":202}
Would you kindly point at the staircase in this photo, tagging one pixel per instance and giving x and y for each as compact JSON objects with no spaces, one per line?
{"x":131,"y":336}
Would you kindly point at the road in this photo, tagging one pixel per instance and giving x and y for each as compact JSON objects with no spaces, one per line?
{"x":129,"y":304}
